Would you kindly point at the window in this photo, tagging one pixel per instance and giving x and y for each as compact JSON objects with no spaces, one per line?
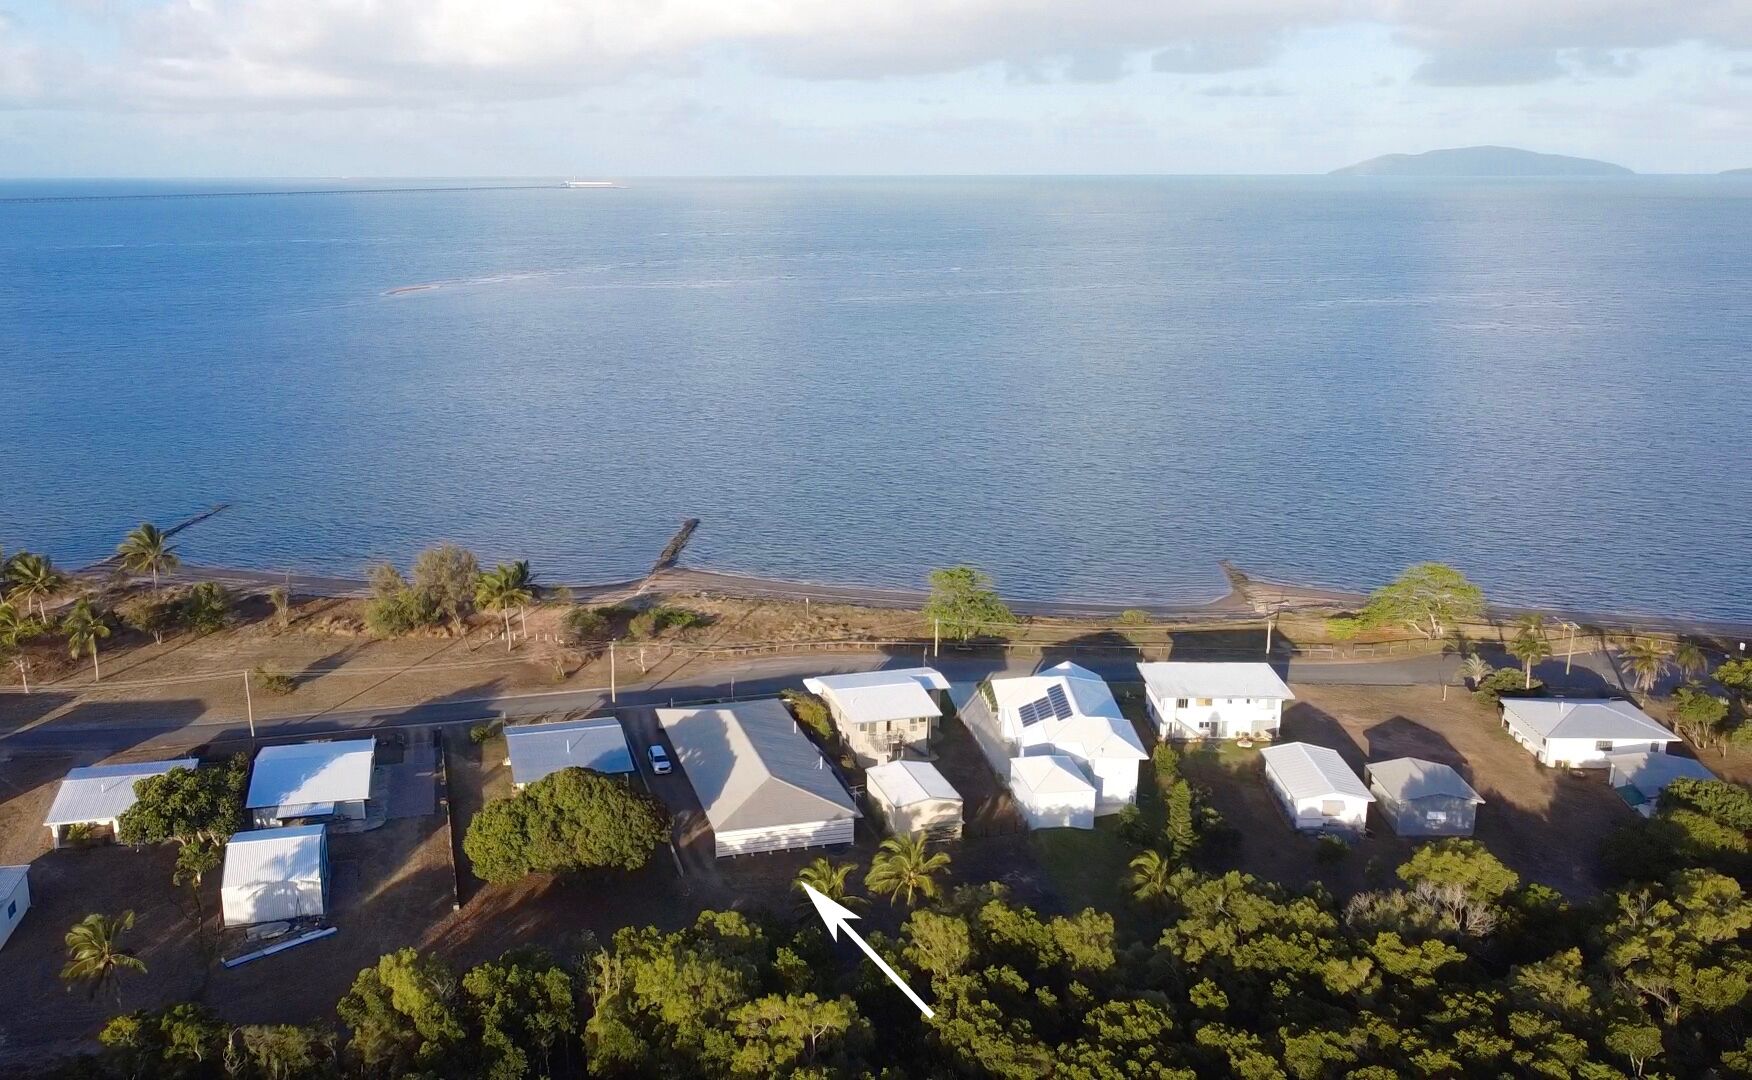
{"x":1435,"y":817}
{"x":1204,"y":702}
{"x":1603,"y":744}
{"x":1180,"y":703}
{"x":1332,"y":808}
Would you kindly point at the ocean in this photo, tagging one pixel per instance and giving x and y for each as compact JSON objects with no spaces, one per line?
{"x":1091,"y":388}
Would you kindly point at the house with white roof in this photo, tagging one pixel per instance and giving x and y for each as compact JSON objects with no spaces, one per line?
{"x":1582,"y":732}
{"x":275,"y":874}
{"x":913,"y":797}
{"x":535,"y":750}
{"x":1316,"y":789}
{"x":1052,"y":792}
{"x":762,"y":784}
{"x":1065,"y":711}
{"x":14,"y":899}
{"x":1191,"y":700}
{"x":1423,"y":798}
{"x":311,"y":781}
{"x":98,"y":795}
{"x":883,"y":715}
{"x":1640,"y":778}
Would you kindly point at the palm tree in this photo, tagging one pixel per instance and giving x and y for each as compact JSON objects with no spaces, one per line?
{"x":1690,"y":660}
{"x":504,"y":589}
{"x":829,"y":879}
{"x":519,"y":578}
{"x":147,"y":550}
{"x":34,"y":577}
{"x":1530,"y":646}
{"x":1647,"y":661}
{"x":85,"y":627}
{"x":904,"y":865}
{"x":1150,"y":877}
{"x":95,"y":955}
{"x":1474,"y":669}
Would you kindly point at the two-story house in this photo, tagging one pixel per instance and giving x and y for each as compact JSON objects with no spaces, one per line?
{"x":1190,"y":700}
{"x":883,"y":715}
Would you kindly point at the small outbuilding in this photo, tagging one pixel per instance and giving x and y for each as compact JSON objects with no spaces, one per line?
{"x":1582,"y":732}
{"x":535,"y":750}
{"x":1316,"y":789}
{"x":763,"y":785}
{"x":14,"y":899}
{"x":312,"y":781}
{"x":1052,"y":792}
{"x":883,"y":715}
{"x":272,"y":875}
{"x":98,"y":795}
{"x":913,"y":797}
{"x":1423,"y":798}
{"x":1639,"y":779}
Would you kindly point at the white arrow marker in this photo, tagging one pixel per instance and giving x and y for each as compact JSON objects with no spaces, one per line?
{"x":838,"y":917}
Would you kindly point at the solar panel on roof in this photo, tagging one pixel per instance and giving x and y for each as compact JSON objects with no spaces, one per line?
{"x":1061,"y":705}
{"x":1035,"y":711}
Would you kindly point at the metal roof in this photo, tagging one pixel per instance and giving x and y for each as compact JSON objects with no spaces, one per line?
{"x":312,"y":772}
{"x":1306,"y":771}
{"x":1585,"y":718}
{"x":1049,"y":774}
{"x":871,"y":697}
{"x":1095,"y":729}
{"x":903,"y":783}
{"x":268,"y":856}
{"x":1650,"y":774}
{"x":1190,"y":679}
{"x":104,"y":792}
{"x":1407,"y":779}
{"x":10,"y":876}
{"x":752,"y":768}
{"x":539,"y":749}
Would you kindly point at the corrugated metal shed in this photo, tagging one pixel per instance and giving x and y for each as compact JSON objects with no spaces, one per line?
{"x":596,"y":743}
{"x":100,"y":793}
{"x":1306,"y":771}
{"x":313,"y":772}
{"x":905,"y":782}
{"x":1406,"y":779}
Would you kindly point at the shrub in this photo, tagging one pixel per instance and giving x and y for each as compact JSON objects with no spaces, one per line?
{"x":573,"y":819}
{"x":1505,"y":682}
{"x":397,"y":612}
{"x":810,"y":711}
{"x":582,"y":624}
{"x":484,"y":731}
{"x":1134,"y":617}
{"x":78,"y":832}
{"x":1329,"y":850}
{"x":274,"y":682}
{"x":1343,"y":627}
{"x":1132,"y":827}
{"x":660,"y":620}
{"x":207,"y":608}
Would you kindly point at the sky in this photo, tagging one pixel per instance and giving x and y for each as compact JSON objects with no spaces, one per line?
{"x":623,"y":88}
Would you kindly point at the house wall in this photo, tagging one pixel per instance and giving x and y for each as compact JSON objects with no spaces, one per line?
{"x":784,"y":837}
{"x":1067,"y":810}
{"x":935,"y":817}
{"x":273,"y":902}
{"x":983,"y":722}
{"x":12,"y":909}
{"x":875,"y":744}
{"x":1229,"y":717}
{"x":1310,"y":815}
{"x":1573,"y":753}
{"x":1116,"y":783}
{"x":268,"y":817}
{"x":1417,"y":817}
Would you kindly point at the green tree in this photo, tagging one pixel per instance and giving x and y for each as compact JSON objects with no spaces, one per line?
{"x":522,"y":1002}
{"x":830,"y":879}
{"x":811,"y":712}
{"x":1428,"y":598}
{"x":34,"y":578}
{"x":207,"y":607}
{"x":963,"y":603}
{"x":1151,"y":877}
{"x":939,"y":945}
{"x":904,"y":866}
{"x":444,"y":578}
{"x":403,"y":1017}
{"x":1736,"y":675}
{"x":1700,"y":716}
{"x":1462,"y":863}
{"x":1646,"y":661}
{"x":796,"y":1035}
{"x":1677,"y":947}
{"x":1530,"y":646}
{"x":85,"y":626}
{"x":279,"y":1052}
{"x":147,"y":550}
{"x":187,"y":806}
{"x":180,"y":1041}
{"x":153,"y":615}
{"x":1690,"y":660}
{"x":1180,"y":831}
{"x":96,"y":955}
{"x":573,"y":819}
{"x":504,"y":589}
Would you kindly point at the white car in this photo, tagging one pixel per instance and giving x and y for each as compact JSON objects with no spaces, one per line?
{"x":659,"y":760}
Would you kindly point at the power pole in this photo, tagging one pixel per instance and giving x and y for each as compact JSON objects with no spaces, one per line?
{"x":1570,"y":653}
{"x":936,"y":636}
{"x":1269,"y":622}
{"x":249,"y":705}
{"x":612,"y":699}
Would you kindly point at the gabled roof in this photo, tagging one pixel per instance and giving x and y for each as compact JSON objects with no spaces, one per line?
{"x":539,"y":749}
{"x":1049,"y":774}
{"x":903,"y":783}
{"x":1407,"y":779}
{"x":872,"y":697}
{"x":104,"y":792}
{"x":752,"y":768}
{"x":10,"y":876}
{"x":1306,"y":771}
{"x":1650,"y":773}
{"x":1585,"y":718}
{"x":1092,"y":725}
{"x":312,"y":772}
{"x":268,"y":856}
{"x":1193,"y":679}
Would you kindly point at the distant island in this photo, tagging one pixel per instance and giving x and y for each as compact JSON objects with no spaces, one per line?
{"x":1481,"y":161}
{"x":1737,"y":172}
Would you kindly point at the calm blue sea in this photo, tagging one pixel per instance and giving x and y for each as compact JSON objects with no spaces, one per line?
{"x":1091,"y":387}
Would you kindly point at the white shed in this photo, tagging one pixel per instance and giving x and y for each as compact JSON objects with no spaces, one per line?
{"x":275,"y":874}
{"x":304,"y":781}
{"x":1582,"y":731}
{"x":763,"y":785}
{"x":913,"y":797}
{"x":1639,"y":779}
{"x":1423,"y":798}
{"x":1194,"y":700}
{"x":14,"y":898}
{"x":1052,"y":792}
{"x":535,"y":750}
{"x":1316,"y":788}
{"x":98,"y":795}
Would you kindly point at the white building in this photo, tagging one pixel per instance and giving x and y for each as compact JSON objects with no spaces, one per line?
{"x":1064,"y":710}
{"x":1316,"y":789}
{"x":311,"y":781}
{"x":98,"y":795}
{"x":883,"y":715}
{"x":913,"y":797}
{"x":275,"y":874}
{"x":535,"y":750}
{"x":763,"y":785}
{"x":1639,"y":779}
{"x":14,"y":899}
{"x":1052,"y":792}
{"x":1190,"y":700}
{"x":1423,"y":798}
{"x":1582,"y":731}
